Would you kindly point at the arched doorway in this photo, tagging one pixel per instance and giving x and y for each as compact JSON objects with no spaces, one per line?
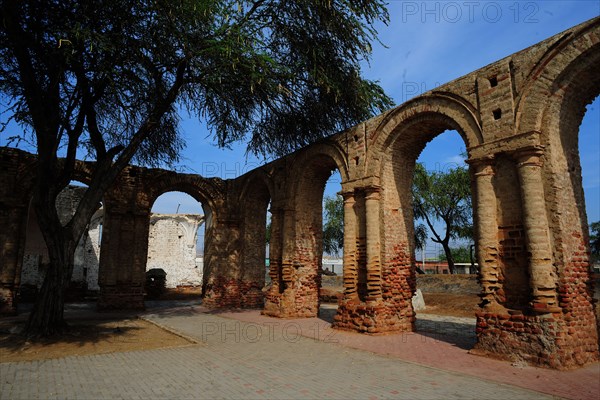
{"x":175,"y":247}
{"x":298,"y":225}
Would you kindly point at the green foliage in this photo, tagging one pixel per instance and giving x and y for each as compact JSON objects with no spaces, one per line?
{"x":420,"y":236}
{"x":280,"y":73}
{"x":461,"y":254}
{"x":444,"y":197}
{"x":333,"y":228}
{"x":595,"y":240}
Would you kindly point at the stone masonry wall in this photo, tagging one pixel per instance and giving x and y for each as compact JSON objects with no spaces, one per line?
{"x":172,"y":247}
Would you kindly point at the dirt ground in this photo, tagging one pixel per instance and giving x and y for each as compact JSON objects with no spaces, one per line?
{"x":90,"y":337}
{"x":456,"y":305}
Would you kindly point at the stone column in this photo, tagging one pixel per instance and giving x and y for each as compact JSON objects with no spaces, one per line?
{"x":372,"y":198}
{"x":123,"y":257}
{"x":275,"y":249}
{"x":281,"y":299}
{"x":350,"y":260}
{"x":543,"y":279}
{"x":288,"y":247}
{"x":487,"y":233}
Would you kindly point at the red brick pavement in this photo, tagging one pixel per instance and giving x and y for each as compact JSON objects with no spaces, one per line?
{"x":439,"y":351}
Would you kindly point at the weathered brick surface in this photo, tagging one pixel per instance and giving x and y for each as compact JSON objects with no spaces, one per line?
{"x":519,"y":119}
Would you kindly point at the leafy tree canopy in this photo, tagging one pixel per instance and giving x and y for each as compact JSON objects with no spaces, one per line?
{"x":278,"y":73}
{"x":595,"y":240}
{"x":461,"y":254}
{"x":333,"y":228}
{"x":444,"y":196}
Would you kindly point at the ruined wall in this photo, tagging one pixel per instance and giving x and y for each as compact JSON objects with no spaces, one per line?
{"x":172,"y":248}
{"x":35,"y":259}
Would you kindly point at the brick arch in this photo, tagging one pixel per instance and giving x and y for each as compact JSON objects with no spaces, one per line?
{"x":570,"y":65}
{"x":83,"y":172}
{"x":567,"y":82}
{"x":208,"y":192}
{"x":418,"y":121}
{"x":255,"y":180}
{"x":296,"y":230}
{"x":317,"y":158}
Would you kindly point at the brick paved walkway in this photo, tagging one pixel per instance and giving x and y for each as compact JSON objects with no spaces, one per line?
{"x":245,"y":355}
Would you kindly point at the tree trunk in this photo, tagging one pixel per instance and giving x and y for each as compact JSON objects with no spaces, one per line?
{"x":449,"y":258}
{"x":474,"y":270}
{"x":47,"y":316}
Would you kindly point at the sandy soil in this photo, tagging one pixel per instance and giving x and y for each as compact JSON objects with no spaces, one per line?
{"x":90,"y":337}
{"x":457,"y":305}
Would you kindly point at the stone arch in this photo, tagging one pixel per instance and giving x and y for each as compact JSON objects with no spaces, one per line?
{"x":553,"y":103}
{"x":297,"y":225}
{"x":382,"y":211}
{"x":82,"y":173}
{"x":565,"y":83}
{"x":317,"y":157}
{"x":435,"y":113}
{"x":401,"y":138}
{"x":209,"y":192}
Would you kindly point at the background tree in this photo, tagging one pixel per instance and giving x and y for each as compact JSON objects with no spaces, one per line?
{"x":420,"y":243}
{"x":268,"y":233}
{"x":333,"y":227}
{"x":595,"y":241}
{"x":444,"y":197}
{"x":420,"y":236}
{"x":460,"y":254}
{"x":106,"y":79}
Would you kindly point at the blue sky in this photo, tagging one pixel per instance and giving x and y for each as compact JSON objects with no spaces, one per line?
{"x":427,"y":43}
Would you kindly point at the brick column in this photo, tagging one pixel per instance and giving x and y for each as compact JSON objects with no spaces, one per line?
{"x":123,"y":257}
{"x":487,"y":234}
{"x":275,"y":250}
{"x":372,"y":198}
{"x":288,"y":247}
{"x":350,"y":259}
{"x":281,"y":299}
{"x":543,"y":277}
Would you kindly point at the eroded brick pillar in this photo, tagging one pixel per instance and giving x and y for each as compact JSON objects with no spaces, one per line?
{"x":281,"y":300}
{"x":377,"y":294}
{"x":548,"y":333}
{"x":226,"y":284}
{"x":372,"y":199}
{"x":123,"y":257}
{"x":487,"y":235}
{"x":350,"y":248}
{"x":273,"y":295}
{"x":543,"y":279}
